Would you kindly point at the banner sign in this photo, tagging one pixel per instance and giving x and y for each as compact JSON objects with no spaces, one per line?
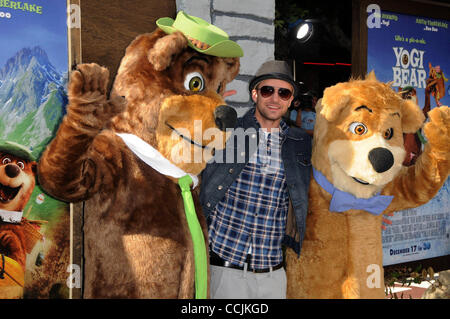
{"x":412,"y":52}
{"x":33,"y":98}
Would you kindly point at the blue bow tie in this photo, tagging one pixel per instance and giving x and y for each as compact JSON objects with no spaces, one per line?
{"x":342,"y":201}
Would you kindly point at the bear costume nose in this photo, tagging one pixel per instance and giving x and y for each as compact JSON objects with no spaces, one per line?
{"x":381,"y":159}
{"x":12,"y":170}
{"x":225,"y":117}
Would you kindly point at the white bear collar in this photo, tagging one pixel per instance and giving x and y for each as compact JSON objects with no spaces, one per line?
{"x":149,"y":155}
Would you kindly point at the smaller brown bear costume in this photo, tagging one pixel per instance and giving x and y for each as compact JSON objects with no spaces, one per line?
{"x":137,"y":242}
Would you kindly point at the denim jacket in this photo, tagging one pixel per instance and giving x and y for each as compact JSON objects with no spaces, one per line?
{"x":296,"y":156}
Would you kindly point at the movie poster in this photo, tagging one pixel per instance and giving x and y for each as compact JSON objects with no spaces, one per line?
{"x":413,"y":53}
{"x":34,"y":240}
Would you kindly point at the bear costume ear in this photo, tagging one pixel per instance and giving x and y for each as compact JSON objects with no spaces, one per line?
{"x":412,"y":116}
{"x":335,"y":99}
{"x":371,"y":76}
{"x":165,"y":48}
{"x":318,"y":106}
{"x":232,"y":65}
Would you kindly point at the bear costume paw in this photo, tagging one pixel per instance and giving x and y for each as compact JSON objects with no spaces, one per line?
{"x":437,"y":131}
{"x":88,"y":96}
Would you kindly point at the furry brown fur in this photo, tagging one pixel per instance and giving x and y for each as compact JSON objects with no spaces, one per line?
{"x":342,"y":252}
{"x":137,"y":243}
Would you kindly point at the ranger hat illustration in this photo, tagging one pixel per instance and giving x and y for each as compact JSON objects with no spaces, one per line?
{"x":16,"y":149}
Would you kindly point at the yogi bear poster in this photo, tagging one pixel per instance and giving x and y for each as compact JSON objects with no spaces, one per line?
{"x":412,"y":52}
{"x":33,"y":79}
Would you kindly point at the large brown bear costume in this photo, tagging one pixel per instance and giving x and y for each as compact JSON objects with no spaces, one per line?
{"x":137,"y":242}
{"x":358,"y":147}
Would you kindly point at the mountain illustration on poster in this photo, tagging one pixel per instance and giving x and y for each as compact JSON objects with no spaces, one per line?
{"x":33,"y":82}
{"x":32,"y":98}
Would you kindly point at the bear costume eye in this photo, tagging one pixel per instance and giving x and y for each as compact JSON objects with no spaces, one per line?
{"x":357,"y":128}
{"x":21,"y":165}
{"x":6,"y":160}
{"x":194,"y":82}
{"x":388,"y":133}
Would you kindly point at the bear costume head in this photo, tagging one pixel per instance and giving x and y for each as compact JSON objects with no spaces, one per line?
{"x":190,"y":83}
{"x":360,"y":126}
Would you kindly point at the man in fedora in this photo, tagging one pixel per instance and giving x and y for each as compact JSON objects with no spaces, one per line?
{"x":254,"y":194}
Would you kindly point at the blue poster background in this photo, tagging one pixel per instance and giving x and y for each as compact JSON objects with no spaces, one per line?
{"x":46,"y":29}
{"x":410,"y":33}
{"x":400,"y":50}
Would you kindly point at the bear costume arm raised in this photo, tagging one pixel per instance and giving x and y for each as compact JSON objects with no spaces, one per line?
{"x":417,"y":184}
{"x":70,"y":168}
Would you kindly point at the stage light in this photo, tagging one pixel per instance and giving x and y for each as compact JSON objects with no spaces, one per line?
{"x":304,"y":31}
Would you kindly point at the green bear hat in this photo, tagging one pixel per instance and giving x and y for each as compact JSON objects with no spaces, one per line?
{"x":201,"y":35}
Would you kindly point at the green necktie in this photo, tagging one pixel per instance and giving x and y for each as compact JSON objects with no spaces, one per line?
{"x":201,"y":271}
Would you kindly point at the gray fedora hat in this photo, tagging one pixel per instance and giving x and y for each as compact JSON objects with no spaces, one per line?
{"x":274,"y":69}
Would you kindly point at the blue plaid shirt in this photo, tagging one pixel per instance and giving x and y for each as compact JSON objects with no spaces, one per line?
{"x":252,"y":215}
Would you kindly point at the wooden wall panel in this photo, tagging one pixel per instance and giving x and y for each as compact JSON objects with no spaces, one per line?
{"x":107,"y":27}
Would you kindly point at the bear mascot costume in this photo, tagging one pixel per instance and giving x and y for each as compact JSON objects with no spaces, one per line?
{"x":122,"y":156}
{"x":358,"y":177}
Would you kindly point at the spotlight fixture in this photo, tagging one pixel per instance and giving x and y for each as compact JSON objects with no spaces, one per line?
{"x":307,"y":29}
{"x":304,"y":31}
